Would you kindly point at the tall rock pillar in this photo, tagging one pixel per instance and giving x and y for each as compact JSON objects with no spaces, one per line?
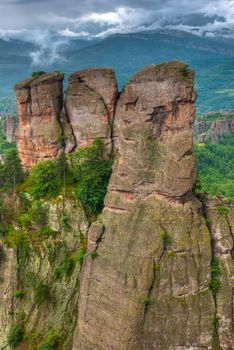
{"x":39,"y":103}
{"x":90,"y":105}
{"x":148,"y":285}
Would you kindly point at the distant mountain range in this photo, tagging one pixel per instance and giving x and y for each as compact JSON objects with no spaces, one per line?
{"x":212,"y":58}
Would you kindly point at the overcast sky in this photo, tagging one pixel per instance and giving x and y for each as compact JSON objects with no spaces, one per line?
{"x":35,"y":20}
{"x":103,"y":17}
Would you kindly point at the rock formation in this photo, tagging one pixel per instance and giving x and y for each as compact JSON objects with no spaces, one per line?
{"x":10,"y":125}
{"x":157,"y":273}
{"x":213,"y":130}
{"x":149,"y":286}
{"x":39,"y":103}
{"x":90,"y":105}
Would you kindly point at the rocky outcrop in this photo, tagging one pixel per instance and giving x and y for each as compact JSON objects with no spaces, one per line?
{"x":157,"y":273}
{"x":90,"y":105}
{"x":39,"y":103}
{"x":149,"y":284}
{"x":10,"y":125}
{"x":213,"y":130}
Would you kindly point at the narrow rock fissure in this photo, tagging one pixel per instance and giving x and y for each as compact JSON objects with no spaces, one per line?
{"x":215,"y":335}
{"x":156,"y":263}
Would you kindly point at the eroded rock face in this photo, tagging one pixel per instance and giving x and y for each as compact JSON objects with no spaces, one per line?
{"x":90,"y":105}
{"x":213,"y":131}
{"x":148,"y":287}
{"x":220,"y":218}
{"x":39,"y":103}
{"x":10,"y":125}
{"x":153,"y":123}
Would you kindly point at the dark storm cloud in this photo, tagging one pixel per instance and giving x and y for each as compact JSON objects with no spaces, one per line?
{"x":40,"y":21}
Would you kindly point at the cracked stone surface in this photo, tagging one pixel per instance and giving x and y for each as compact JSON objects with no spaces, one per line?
{"x":90,"y":105}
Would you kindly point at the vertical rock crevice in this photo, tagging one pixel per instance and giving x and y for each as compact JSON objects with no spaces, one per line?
{"x":219,"y":218}
{"x":90,"y":105}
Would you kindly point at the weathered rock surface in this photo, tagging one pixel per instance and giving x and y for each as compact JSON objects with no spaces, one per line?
{"x":43,"y":262}
{"x":39,"y":103}
{"x":10,"y":125}
{"x":148,"y":288}
{"x":8,"y":283}
{"x":90,"y":105}
{"x":220,"y":218}
{"x":213,"y":131}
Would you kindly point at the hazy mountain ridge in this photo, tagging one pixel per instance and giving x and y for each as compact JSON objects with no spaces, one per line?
{"x":212,"y":58}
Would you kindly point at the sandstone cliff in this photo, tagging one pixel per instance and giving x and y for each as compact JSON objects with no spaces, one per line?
{"x":157,"y":273}
{"x":206,"y":130}
{"x":9,"y":126}
{"x":90,"y":105}
{"x":148,"y":288}
{"x":39,"y":103}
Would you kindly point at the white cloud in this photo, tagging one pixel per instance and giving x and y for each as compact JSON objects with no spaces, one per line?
{"x":71,"y":34}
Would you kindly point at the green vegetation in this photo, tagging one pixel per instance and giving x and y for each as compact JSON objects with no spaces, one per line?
{"x":215,"y":270}
{"x":221,"y":209}
{"x":90,"y":174}
{"x":87,"y":173}
{"x":42,"y":292}
{"x":4,"y":145}
{"x":64,"y":221}
{"x":45,"y":181}
{"x":11,"y":173}
{"x":51,"y":342}
{"x":94,"y":255}
{"x":215,"y":116}
{"x":216,"y":168}
{"x":37,"y":74}
{"x":15,"y":336}
{"x":19,"y":294}
{"x":79,"y":255}
{"x":65,"y":268}
{"x":185,"y":71}
{"x":48,"y":231}
{"x":215,"y":322}
{"x":147,"y":301}
{"x":166,"y":239}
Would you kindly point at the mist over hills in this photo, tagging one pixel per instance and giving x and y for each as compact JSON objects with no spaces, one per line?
{"x":212,"y":58}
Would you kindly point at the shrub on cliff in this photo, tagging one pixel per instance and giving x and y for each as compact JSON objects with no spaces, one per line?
{"x":11,"y":172}
{"x":90,"y":173}
{"x":37,"y":74}
{"x":51,"y":342}
{"x":45,"y":180}
{"x":16,"y":335}
{"x":86,"y":172}
{"x":4,"y":144}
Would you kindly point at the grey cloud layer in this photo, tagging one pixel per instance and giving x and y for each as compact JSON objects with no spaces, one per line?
{"x":31,"y":13}
{"x":35,"y":20}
